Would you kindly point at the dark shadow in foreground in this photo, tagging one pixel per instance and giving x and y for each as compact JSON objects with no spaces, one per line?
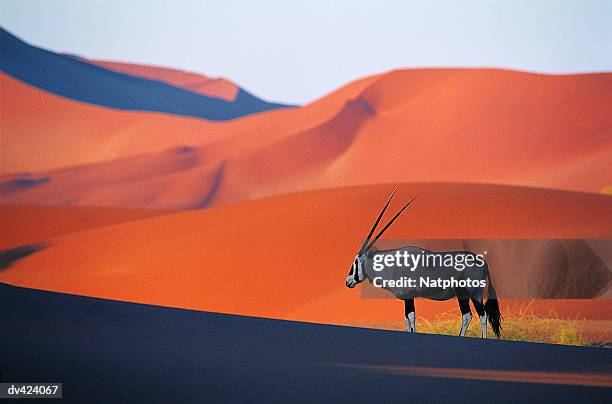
{"x":107,"y":351}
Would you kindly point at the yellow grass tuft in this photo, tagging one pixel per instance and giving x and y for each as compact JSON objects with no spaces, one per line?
{"x":524,"y":326}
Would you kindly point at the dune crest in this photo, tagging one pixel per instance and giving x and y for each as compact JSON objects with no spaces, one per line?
{"x":440,"y":125}
{"x":198,"y":83}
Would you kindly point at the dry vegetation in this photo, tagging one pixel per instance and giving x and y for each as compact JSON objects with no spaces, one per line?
{"x":523,"y":326}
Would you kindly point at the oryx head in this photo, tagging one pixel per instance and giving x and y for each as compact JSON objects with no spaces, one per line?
{"x":356,"y":274}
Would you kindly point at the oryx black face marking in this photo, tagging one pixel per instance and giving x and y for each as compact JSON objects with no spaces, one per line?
{"x":354,"y":276}
{"x":356,"y":270}
{"x":361,"y":270}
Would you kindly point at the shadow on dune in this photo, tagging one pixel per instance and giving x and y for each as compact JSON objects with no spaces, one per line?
{"x":110,"y":351}
{"x":11,"y":255}
{"x":22,"y":183}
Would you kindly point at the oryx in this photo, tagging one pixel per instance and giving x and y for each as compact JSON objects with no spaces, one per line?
{"x":364,"y":268}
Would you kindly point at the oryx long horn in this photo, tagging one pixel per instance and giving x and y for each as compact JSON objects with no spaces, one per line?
{"x":382,"y":212}
{"x":389,"y":224}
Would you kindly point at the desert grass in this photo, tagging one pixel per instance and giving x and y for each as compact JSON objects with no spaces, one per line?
{"x":521,"y":326}
{"x":524,"y":326}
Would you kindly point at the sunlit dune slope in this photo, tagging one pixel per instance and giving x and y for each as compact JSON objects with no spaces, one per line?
{"x":441,"y":125}
{"x":287,"y":256}
{"x":41,"y":131}
{"x":198,"y":83}
{"x":27,"y":224}
{"x":448,"y":125}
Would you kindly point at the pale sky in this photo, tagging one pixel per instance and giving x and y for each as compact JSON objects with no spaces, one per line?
{"x":295,"y":52}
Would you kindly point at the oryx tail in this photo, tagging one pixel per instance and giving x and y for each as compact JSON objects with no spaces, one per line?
{"x":492,"y":307}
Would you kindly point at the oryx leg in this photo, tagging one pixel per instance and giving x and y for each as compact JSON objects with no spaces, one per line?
{"x":409,"y":315}
{"x":466,"y":315}
{"x":479,"y":306}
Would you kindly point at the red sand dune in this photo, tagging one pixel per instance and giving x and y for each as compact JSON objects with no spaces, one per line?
{"x":448,"y":125}
{"x":287,"y":256}
{"x":27,"y":224}
{"x":198,"y":83}
{"x":460,"y":125}
{"x":41,"y":131}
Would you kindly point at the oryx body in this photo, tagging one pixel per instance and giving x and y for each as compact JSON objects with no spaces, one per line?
{"x":478,"y":276}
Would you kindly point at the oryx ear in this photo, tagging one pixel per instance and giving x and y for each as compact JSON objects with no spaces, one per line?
{"x":389,"y":224}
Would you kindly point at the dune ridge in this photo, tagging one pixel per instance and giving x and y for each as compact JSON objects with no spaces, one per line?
{"x":78,"y":80}
{"x":441,"y":125}
{"x":198,"y":83}
{"x":65,"y":133}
